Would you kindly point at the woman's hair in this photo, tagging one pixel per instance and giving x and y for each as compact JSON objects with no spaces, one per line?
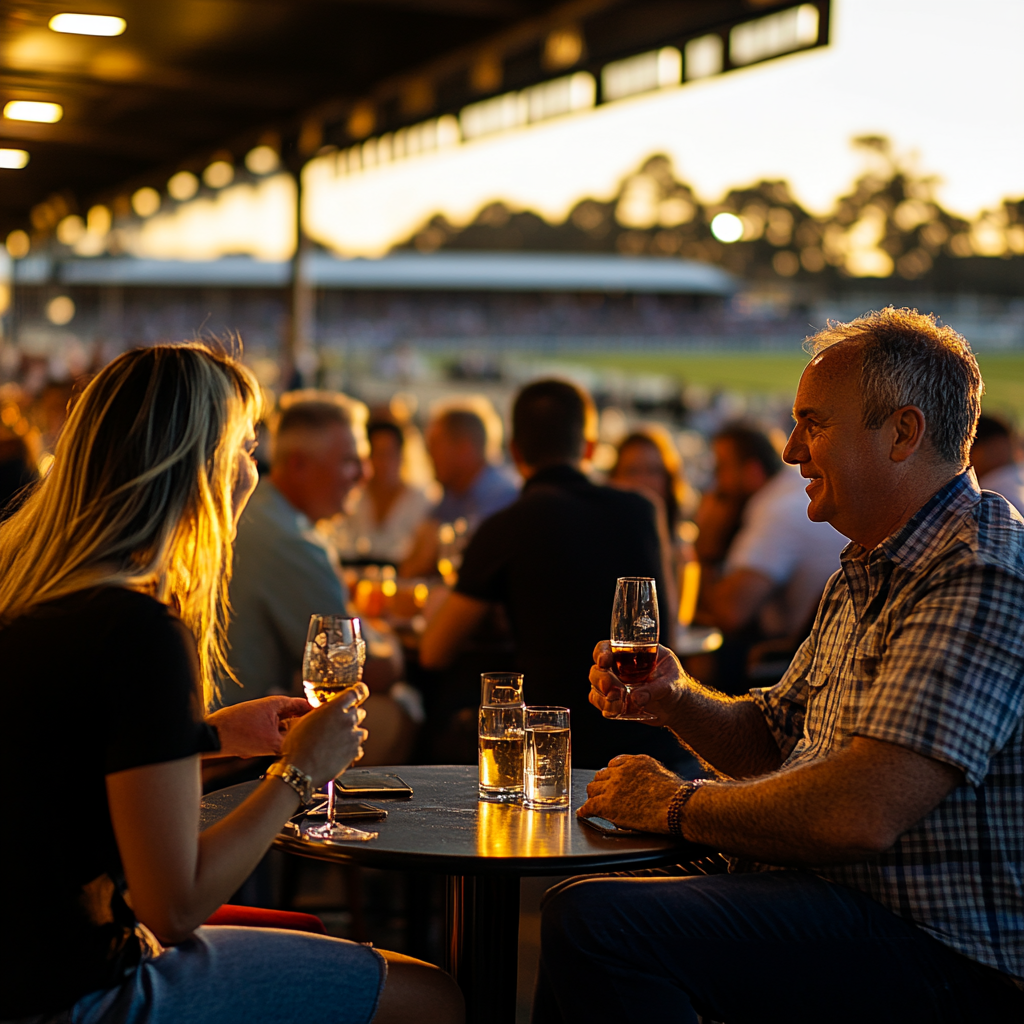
{"x":675,"y":487}
{"x":140,"y":493}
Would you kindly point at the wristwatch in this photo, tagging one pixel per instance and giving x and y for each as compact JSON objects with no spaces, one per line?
{"x":298,"y":780}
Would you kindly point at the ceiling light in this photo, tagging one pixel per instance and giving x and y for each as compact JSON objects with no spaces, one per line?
{"x":146,"y":201}
{"x":183,"y":185}
{"x":219,"y":174}
{"x":88,"y":24}
{"x":13,"y":158}
{"x":30,"y":110}
{"x":262,"y":160}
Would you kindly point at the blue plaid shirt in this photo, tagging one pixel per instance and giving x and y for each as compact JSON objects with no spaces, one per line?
{"x":920,"y":642}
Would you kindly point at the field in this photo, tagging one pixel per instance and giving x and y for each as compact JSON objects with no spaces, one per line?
{"x":779,"y":373}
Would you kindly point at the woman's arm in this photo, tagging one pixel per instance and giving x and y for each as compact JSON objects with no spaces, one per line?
{"x":177,"y":877}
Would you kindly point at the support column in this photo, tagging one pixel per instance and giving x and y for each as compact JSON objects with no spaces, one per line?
{"x":482,"y":944}
{"x":302,"y":300}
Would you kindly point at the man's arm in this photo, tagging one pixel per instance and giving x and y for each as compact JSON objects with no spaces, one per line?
{"x":847,"y":807}
{"x":449,"y":628}
{"x":729,"y":733}
{"x":422,"y":558}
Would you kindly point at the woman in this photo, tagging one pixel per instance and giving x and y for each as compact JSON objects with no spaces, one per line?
{"x":113,"y":583}
{"x":649,"y":464}
{"x":384,"y":520}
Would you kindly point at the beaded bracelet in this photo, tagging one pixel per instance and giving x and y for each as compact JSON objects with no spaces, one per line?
{"x":678,"y":802}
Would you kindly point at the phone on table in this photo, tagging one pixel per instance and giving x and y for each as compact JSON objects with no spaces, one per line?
{"x":353,"y":811}
{"x":368,"y":783}
{"x":608,"y":828}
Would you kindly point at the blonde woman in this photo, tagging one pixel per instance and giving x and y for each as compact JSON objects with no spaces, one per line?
{"x":113,"y":582}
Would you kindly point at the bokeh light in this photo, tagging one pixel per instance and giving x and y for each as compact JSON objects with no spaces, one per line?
{"x":60,"y":310}
{"x":31,"y":110}
{"x":13,"y":159}
{"x":88,"y":24}
{"x":183,"y":185}
{"x":18,"y":244}
{"x":146,"y":201}
{"x":219,"y":174}
{"x":727,"y":227}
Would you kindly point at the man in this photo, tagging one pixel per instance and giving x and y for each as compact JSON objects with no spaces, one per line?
{"x":551,"y":561}
{"x":992,"y":459}
{"x":473,"y":489}
{"x":284,"y":569}
{"x":764,"y":564}
{"x":885,"y":771}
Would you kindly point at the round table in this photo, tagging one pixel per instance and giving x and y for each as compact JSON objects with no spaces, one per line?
{"x":483,"y":849}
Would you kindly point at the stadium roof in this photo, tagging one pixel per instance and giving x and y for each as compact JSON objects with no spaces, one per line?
{"x":189,"y":82}
{"x":515,"y":272}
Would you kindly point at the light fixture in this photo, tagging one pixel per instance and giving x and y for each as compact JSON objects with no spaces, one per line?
{"x":60,"y":310}
{"x":31,"y":110}
{"x":13,"y":159}
{"x":88,"y":24}
{"x":262,"y":160}
{"x":146,"y":201}
{"x":183,"y":185}
{"x":727,"y":227}
{"x":219,"y":174}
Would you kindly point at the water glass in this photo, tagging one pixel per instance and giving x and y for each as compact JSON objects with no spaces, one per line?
{"x":548,"y":775}
{"x":500,"y":737}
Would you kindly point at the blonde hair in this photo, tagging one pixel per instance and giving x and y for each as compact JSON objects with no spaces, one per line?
{"x":140,"y":493}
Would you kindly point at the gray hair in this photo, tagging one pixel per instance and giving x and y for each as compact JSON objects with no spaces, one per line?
{"x":908,"y":358}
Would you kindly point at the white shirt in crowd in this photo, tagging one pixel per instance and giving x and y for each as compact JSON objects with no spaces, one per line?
{"x":358,"y":535}
{"x":777,"y":540}
{"x":1008,"y":481}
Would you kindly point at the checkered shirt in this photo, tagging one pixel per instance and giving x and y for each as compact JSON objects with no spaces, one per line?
{"x":920,"y":642}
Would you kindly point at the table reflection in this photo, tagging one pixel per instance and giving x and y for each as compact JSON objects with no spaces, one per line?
{"x":509,"y":830}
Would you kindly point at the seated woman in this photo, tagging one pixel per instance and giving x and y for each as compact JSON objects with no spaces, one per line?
{"x":113,"y":583}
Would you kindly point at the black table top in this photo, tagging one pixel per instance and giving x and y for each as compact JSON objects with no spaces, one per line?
{"x":444,"y":828}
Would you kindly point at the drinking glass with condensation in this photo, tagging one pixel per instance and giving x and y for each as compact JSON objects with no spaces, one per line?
{"x":548,"y":774}
{"x":500,"y":737}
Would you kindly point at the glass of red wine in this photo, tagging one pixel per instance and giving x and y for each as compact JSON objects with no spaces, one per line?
{"x":634,"y":639}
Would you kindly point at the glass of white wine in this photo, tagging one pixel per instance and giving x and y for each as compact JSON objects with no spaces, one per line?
{"x":333,"y":663}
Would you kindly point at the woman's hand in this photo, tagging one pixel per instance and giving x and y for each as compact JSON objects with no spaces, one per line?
{"x":658,"y":695}
{"x":328,"y":739}
{"x":256,"y":727}
{"x":634,"y":791}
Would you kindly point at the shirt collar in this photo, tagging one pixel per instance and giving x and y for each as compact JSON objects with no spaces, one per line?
{"x":560,"y":474}
{"x":919,"y":536}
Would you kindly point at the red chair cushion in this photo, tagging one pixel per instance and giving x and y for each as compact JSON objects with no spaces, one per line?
{"x":257,"y":917}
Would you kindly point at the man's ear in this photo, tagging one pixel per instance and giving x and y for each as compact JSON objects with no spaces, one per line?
{"x":908,"y":431}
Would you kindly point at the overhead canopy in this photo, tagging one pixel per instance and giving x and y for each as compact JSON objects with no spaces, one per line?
{"x":192,"y":81}
{"x":515,"y":272}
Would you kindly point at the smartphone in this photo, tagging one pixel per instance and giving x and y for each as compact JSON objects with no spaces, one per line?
{"x":348,"y":811}
{"x":607,"y":828}
{"x":369,"y":783}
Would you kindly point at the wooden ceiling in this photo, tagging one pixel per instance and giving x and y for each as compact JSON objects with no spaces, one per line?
{"x":192,"y":78}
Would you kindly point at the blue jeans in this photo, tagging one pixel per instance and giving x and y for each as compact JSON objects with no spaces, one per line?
{"x":779,"y":946}
{"x":229,"y":975}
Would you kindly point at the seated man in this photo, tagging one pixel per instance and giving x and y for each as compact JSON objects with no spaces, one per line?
{"x":882,"y":778}
{"x":473,"y":488}
{"x":764,"y":564}
{"x":551,"y":561}
{"x":284,"y":569}
{"x":992,"y":459}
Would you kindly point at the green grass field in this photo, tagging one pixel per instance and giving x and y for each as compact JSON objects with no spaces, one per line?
{"x":779,"y":373}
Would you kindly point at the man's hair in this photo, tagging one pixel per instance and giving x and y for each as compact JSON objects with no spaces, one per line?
{"x":751,"y":444}
{"x":549,"y":422}
{"x":464,"y":425}
{"x":908,"y":358}
{"x":386,"y":427}
{"x":312,"y":411}
{"x":990,"y":427}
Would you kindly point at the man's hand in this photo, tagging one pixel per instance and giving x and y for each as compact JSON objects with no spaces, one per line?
{"x":256,"y":727}
{"x":659,"y":694}
{"x":634,"y":791}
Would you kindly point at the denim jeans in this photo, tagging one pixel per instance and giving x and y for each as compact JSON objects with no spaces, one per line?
{"x":779,"y":946}
{"x":225,"y":975}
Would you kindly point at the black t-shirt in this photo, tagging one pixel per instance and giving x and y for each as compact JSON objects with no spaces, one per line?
{"x":94,"y":683}
{"x":552,"y":559}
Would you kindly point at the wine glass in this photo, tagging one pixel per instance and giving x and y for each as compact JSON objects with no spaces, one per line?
{"x":332,"y":664}
{"x":634,"y":639}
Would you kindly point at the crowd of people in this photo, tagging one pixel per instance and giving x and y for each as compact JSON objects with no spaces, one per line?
{"x":879,"y":771}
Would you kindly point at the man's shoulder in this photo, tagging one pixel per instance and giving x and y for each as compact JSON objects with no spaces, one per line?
{"x":994,"y":535}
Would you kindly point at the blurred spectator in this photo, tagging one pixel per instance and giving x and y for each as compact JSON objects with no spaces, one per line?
{"x":383,"y":522}
{"x":649,"y":464}
{"x":764,"y":564}
{"x":995,"y":463}
{"x":285,"y":570}
{"x":16,"y":472}
{"x":551,"y":561}
{"x":473,"y":488}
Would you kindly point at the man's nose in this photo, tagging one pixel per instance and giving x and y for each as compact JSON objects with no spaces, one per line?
{"x":795,"y":451}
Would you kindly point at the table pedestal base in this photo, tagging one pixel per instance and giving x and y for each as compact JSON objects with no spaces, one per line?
{"x":482,"y":951}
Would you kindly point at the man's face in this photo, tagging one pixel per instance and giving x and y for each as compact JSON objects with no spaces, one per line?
{"x":451,"y":456}
{"x":331,"y":467}
{"x":734,"y":477}
{"x":847,"y":464}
